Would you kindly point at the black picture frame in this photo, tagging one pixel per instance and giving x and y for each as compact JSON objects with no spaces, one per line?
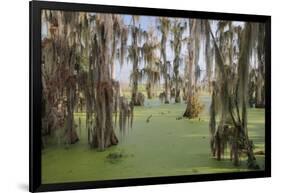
{"x":35,"y":8}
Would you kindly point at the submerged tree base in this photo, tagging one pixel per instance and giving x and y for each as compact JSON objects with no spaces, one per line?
{"x":72,"y":137}
{"x":259,"y":106}
{"x":253,"y":165}
{"x":193,"y":108}
{"x":238,"y":143}
{"x":139,"y":99}
{"x":110,"y":140}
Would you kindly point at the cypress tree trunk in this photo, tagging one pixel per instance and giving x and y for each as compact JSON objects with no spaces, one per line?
{"x":135,"y":65}
{"x":149,"y":90}
{"x":135,"y":85}
{"x":103,"y":134}
{"x":259,"y":91}
{"x":166,"y":91}
{"x":212,"y":123}
{"x":72,"y":136}
{"x":193,"y":106}
{"x":177,"y":99}
{"x":164,"y":28}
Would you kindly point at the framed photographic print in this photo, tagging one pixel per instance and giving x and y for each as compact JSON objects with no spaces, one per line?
{"x":125,"y":96}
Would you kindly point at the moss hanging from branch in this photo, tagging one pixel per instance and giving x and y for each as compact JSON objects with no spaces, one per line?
{"x":193,"y":106}
{"x":164,"y":27}
{"x":233,"y":92}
